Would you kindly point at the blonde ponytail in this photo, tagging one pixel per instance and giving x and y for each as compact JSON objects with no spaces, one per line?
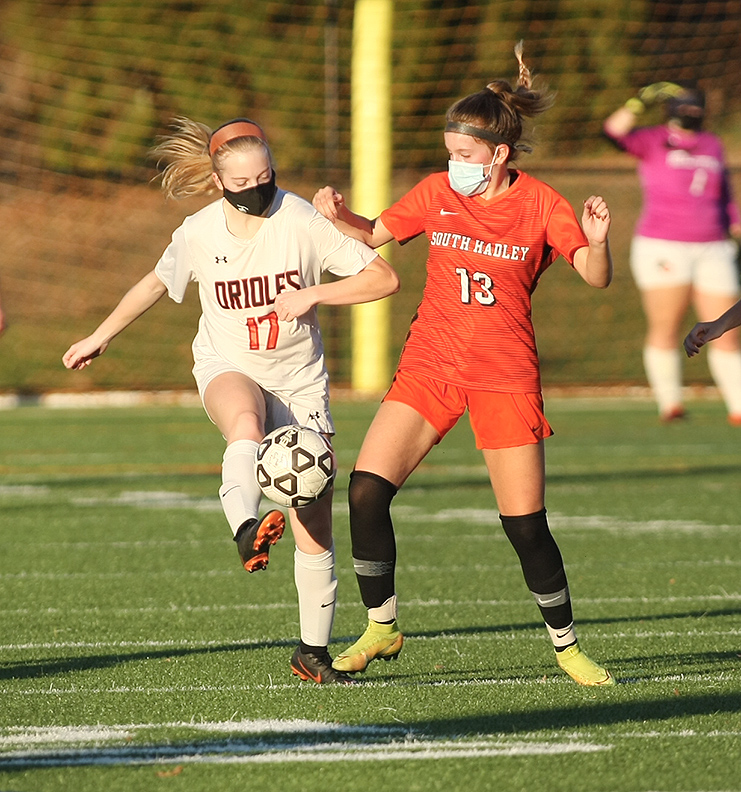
{"x":184,"y":159}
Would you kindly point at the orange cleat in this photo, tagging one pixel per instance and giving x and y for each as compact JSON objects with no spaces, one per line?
{"x":255,"y":537}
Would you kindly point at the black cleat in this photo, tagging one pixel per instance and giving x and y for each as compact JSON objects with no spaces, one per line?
{"x":254,"y":538}
{"x":318,"y":668}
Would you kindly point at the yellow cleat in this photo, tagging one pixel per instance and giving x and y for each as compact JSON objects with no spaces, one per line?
{"x":379,"y":641}
{"x":581,"y":669}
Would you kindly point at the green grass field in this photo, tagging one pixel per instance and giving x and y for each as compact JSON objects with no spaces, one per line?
{"x":135,"y":654}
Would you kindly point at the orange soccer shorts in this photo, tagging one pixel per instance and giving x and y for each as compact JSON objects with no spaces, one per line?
{"x":498,"y":420}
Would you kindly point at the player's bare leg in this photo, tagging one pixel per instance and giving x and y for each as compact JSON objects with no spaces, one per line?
{"x":236,"y":405}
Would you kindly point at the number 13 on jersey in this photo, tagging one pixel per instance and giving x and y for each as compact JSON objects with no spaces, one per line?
{"x":478,"y":286}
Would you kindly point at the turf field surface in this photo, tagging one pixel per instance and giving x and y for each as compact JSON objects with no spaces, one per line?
{"x":135,"y":654}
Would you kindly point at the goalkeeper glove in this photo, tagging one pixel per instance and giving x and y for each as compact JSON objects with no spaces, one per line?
{"x":635,"y":105}
{"x":659,"y":92}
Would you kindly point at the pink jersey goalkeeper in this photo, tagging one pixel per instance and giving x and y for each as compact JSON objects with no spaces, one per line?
{"x":687,"y":196}
{"x":473,"y":327}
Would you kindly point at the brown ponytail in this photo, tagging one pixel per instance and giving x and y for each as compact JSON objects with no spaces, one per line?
{"x":499,"y":109}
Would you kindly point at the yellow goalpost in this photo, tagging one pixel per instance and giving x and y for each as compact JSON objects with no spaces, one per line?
{"x":371,"y":177}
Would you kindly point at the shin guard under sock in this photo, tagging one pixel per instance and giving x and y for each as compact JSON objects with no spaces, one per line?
{"x":372,"y":532}
{"x":316,"y":585}
{"x":542,"y":568}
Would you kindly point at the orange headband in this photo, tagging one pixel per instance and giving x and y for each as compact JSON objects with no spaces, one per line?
{"x":232,"y":130}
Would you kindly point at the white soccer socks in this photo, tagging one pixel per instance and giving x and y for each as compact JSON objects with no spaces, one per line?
{"x":386,"y":613}
{"x":725,"y":368}
{"x":664,"y":373}
{"x":240,"y":494}
{"x":560,"y":636}
{"x":316,"y":585}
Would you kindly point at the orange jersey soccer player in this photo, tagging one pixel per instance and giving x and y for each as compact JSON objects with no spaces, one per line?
{"x":492,"y":231}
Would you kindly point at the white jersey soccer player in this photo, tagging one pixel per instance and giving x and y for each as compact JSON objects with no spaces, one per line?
{"x":238,"y":282}
{"x":257,"y":255}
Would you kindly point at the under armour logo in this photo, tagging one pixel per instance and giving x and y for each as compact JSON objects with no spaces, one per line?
{"x":220,"y":259}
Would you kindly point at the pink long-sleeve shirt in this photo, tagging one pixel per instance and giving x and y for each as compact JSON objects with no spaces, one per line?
{"x":687,"y":196}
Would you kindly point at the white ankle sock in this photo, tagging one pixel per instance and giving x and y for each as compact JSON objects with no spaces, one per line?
{"x":384,"y":613}
{"x":563,"y":637}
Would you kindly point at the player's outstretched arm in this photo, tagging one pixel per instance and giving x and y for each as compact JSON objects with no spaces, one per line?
{"x":619,"y":123}
{"x":377,"y":280}
{"x":703,"y":332}
{"x":594,"y":263}
{"x":134,"y":303}
{"x":331,"y":203}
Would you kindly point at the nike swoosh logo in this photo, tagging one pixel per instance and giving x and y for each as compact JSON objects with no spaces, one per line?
{"x":563,"y":634}
{"x":315,"y":677}
{"x":327,"y":604}
{"x":446,"y":212}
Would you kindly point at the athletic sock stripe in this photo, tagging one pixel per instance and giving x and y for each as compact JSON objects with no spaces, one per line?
{"x":372,"y":568}
{"x":552,"y":600}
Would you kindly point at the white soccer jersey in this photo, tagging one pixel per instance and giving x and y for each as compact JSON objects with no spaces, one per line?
{"x":239,"y":279}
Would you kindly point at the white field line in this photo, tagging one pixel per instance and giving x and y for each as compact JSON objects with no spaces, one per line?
{"x":100,"y":733}
{"x":248,"y":753}
{"x":721,"y":677}
{"x":277,"y":742}
{"x":653,"y":564}
{"x":700,"y":599}
{"x":37,"y":735}
{"x":178,"y":500}
{"x":162,"y":573}
{"x":559,"y":522}
{"x":529,"y":636}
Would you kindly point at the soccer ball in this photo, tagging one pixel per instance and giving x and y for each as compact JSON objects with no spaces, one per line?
{"x":294,"y":466}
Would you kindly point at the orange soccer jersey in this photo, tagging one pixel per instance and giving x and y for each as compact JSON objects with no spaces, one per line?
{"x":473,"y":326}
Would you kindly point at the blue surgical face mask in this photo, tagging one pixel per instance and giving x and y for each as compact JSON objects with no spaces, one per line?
{"x":469,"y":178}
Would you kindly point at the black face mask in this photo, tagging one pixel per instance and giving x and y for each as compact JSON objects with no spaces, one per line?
{"x":692,"y":122}
{"x":254,"y":200}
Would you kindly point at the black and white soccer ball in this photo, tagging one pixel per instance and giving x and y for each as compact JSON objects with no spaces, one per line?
{"x":294,"y":466}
